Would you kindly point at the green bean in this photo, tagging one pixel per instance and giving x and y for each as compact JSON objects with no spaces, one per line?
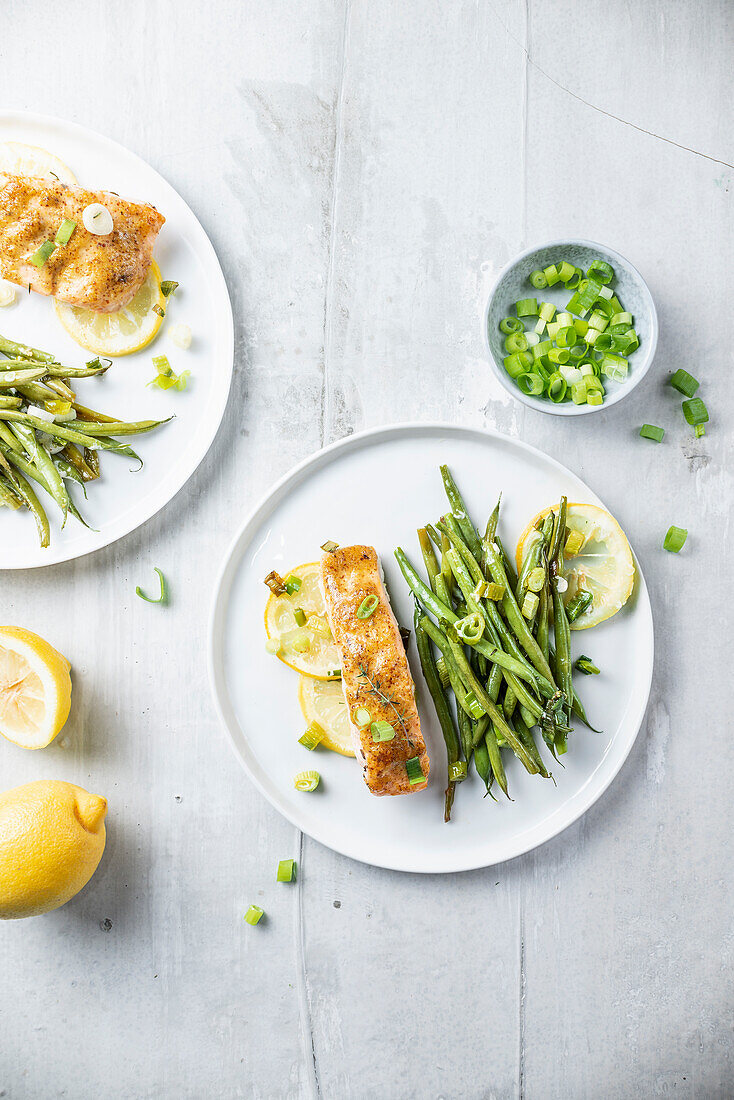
{"x":578,"y":710}
{"x":458,"y":507}
{"x":525,"y":735}
{"x":69,"y":471}
{"x":22,"y":351}
{"x":119,"y":427}
{"x":69,"y":434}
{"x":8,"y":495}
{"x":495,"y":758}
{"x":429,"y":556}
{"x":561,"y":628}
{"x":76,"y":458}
{"x":42,"y":461}
{"x":441,"y":642}
{"x":481,"y":756}
{"x":487,"y":705}
{"x":11,"y":378}
{"x":33,"y":503}
{"x":509,"y":567}
{"x":514,"y":616}
{"x":7,"y":402}
{"x":419,"y":589}
{"x":509,"y":703}
{"x":441,"y":703}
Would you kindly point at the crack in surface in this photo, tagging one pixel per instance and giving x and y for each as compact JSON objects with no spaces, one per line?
{"x":601,"y":110}
{"x":309,"y":1048}
{"x":326,"y":405}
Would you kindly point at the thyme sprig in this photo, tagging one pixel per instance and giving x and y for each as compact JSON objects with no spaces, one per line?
{"x":376,"y":690}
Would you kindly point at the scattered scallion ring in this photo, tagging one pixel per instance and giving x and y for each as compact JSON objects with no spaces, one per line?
{"x":538,"y":280}
{"x":41,"y":255}
{"x":696,"y":414}
{"x":382,"y":731}
{"x":306,"y":781}
{"x":313,"y":736}
{"x":286,"y":871}
{"x":162,"y":598}
{"x":675,"y":539}
{"x":64,"y":232}
{"x":292,"y":584}
{"x":362,"y":717}
{"x":471,"y":628}
{"x":651,"y":431}
{"x":684,"y":383}
{"x":581,"y":602}
{"x":457,"y":771}
{"x":586,"y":665}
{"x":414,"y":770}
{"x":254,"y":914}
{"x":367,"y":607}
{"x":508,"y":325}
{"x":531,"y":384}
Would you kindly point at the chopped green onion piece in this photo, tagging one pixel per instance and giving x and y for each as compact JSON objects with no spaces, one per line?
{"x":675,"y":539}
{"x":362,"y":717}
{"x":39,"y":257}
{"x":574,"y":542}
{"x":161,"y":364}
{"x":699,"y":430}
{"x":300,"y":616}
{"x":581,"y":602}
{"x":168,"y":287}
{"x":551,"y":275}
{"x":514,"y":364}
{"x":64,"y":232}
{"x":330,"y":547}
{"x":473,"y":705}
{"x":158,"y":599}
{"x":651,"y":431}
{"x":182,"y":380}
{"x":495,"y":592}
{"x":443,"y":672}
{"x":292,"y":584}
{"x":538,"y":279}
{"x":530,"y":605}
{"x":253,"y":914}
{"x":559,"y":355}
{"x":286,"y":871}
{"x":594,"y":398}
{"x":575,"y":279}
{"x":535,"y":579}
{"x":313,"y":736}
{"x":274,"y":581}
{"x":471,"y":628}
{"x":516,"y":341}
{"x":527,"y":307}
{"x":382,"y":731}
{"x":603,"y":271}
{"x":695,"y":411}
{"x":622,"y":318}
{"x":598,"y":320}
{"x":511,"y":324}
{"x":684,"y":382}
{"x":578,"y":393}
{"x":565,"y":270}
{"x":586,"y":665}
{"x":367,"y":607}
{"x":457,"y":771}
{"x":556,"y":388}
{"x":334,"y":674}
{"x":159,"y":310}
{"x":414,"y":770}
{"x":530,"y":384}
{"x":306,"y":781}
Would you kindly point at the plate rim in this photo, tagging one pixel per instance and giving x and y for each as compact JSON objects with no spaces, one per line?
{"x":215,"y":643}
{"x":220,"y":294}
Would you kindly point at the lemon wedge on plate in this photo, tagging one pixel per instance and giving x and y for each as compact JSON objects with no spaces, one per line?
{"x":307,"y":647}
{"x":31,"y":160}
{"x":603,"y":566}
{"x":35,"y":688}
{"x":323,"y":701}
{"x":127,"y":330}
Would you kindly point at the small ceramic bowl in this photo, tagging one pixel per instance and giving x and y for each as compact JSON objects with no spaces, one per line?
{"x":514,"y":283}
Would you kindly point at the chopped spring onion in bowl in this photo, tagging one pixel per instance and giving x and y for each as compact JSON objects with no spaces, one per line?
{"x":583,"y":308}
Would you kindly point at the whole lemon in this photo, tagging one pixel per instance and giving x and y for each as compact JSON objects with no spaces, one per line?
{"x":52,"y":837}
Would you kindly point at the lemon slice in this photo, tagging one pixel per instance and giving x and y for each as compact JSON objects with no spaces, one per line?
{"x":323,"y":701}
{"x":309,"y":649}
{"x":35,"y":688}
{"x":604,"y":566}
{"x":123,"y":332}
{"x":31,"y":160}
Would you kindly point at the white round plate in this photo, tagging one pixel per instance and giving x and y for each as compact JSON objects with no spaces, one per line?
{"x":121,"y":501}
{"x":378,"y":487}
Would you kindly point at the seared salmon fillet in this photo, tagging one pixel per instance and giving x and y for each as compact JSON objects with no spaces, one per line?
{"x":375,"y":672}
{"x":102,"y":273}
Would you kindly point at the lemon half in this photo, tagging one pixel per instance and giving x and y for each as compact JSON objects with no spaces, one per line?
{"x":31,"y":160}
{"x":52,"y":836}
{"x":306,"y":649}
{"x":323,"y":701}
{"x":35,"y":688}
{"x":604,"y":566}
{"x":127,"y":330}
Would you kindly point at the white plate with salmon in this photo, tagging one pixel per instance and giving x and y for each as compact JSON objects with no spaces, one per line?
{"x":389,"y":727}
{"x":103,"y":268}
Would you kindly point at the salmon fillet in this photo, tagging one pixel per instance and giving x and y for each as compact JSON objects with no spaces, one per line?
{"x":102,"y":273}
{"x":375,"y":672}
